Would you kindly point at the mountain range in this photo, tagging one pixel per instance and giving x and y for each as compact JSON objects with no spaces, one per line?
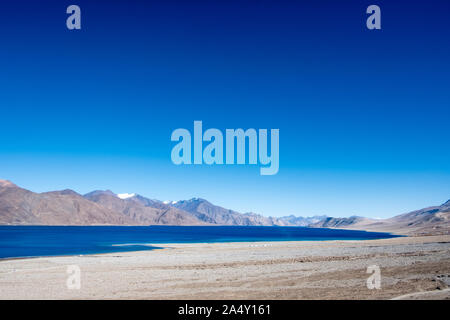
{"x":19,"y":206}
{"x":431,"y":220}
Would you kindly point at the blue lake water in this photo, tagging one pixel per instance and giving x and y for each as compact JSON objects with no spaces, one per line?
{"x":33,"y":241}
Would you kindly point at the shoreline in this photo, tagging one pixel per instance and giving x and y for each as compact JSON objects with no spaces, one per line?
{"x":157,"y":246}
{"x":335,"y":269}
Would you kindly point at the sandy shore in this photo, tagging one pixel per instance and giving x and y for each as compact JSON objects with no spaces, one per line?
{"x":261,"y":270}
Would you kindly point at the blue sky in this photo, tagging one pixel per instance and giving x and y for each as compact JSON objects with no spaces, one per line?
{"x":363,"y":115}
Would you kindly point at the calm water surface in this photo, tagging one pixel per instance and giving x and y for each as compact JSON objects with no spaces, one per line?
{"x":33,"y":241}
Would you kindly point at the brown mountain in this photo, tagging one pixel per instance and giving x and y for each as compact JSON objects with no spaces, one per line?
{"x":210,"y":213}
{"x":143,"y":211}
{"x":301,"y":221}
{"x":329,"y":222}
{"x":66,"y":207}
{"x":432,"y":220}
{"x":22,"y":207}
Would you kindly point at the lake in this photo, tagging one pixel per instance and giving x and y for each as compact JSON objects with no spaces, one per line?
{"x":35,"y":241}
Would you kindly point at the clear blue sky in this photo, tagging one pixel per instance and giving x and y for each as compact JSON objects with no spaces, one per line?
{"x":363,"y":115}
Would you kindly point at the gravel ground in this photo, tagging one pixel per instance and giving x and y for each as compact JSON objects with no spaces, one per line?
{"x":262,"y":270}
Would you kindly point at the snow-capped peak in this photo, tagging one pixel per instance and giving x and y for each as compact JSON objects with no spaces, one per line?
{"x":169,"y":202}
{"x":125,"y":195}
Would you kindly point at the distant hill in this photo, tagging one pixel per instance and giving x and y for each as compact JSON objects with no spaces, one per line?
{"x":432,"y":220}
{"x":19,"y":206}
{"x":103,"y":207}
{"x":210,"y":213}
{"x":143,"y":211}
{"x":22,"y":207}
{"x":330,"y":222}
{"x":301,"y":221}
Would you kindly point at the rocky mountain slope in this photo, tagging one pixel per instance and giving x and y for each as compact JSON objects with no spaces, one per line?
{"x":301,"y":221}
{"x":22,"y":207}
{"x":207,"y":212}
{"x":19,"y":206}
{"x":432,"y":220}
{"x":329,"y":222}
{"x":143,"y":211}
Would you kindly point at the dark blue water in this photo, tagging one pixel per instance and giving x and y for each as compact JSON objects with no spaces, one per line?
{"x":33,"y":241}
